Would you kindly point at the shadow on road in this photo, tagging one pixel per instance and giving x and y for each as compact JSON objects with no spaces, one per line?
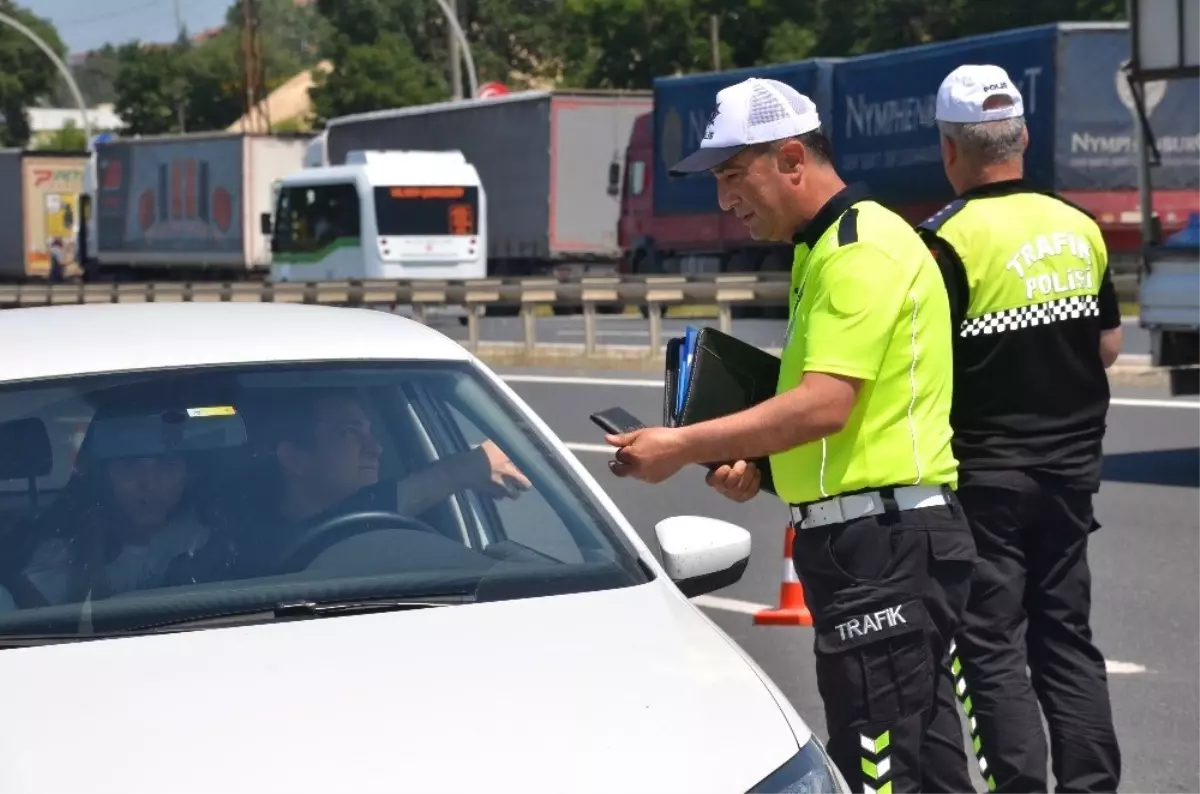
{"x":1175,"y":467}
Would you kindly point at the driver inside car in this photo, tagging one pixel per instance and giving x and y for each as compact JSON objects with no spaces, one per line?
{"x":324,"y":462}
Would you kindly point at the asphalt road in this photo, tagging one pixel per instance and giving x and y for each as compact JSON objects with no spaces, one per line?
{"x":634,"y":330}
{"x":1144,"y":561}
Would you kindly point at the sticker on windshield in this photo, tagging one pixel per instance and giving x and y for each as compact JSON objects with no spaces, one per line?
{"x":211,"y":410}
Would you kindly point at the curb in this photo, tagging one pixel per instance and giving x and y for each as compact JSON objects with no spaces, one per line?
{"x":1136,"y":370}
{"x":1130,"y":369}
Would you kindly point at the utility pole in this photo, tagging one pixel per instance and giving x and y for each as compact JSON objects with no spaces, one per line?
{"x":456,"y":86}
{"x":255,"y":117}
{"x":182,"y":42}
{"x":714,"y":35}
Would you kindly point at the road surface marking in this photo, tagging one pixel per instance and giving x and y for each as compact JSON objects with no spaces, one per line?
{"x":573,"y":381}
{"x":1123,"y":668}
{"x":603,"y":449}
{"x":1129,"y":401}
{"x":751,"y":608}
{"x":580,"y":332}
{"x":729,"y":604}
{"x":642,"y":383}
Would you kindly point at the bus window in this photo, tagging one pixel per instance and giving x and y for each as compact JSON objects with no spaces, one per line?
{"x":427,"y":211}
{"x":311,"y":217}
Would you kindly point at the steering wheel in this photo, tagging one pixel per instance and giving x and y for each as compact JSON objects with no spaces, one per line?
{"x":300,"y":553}
{"x":23,"y":591}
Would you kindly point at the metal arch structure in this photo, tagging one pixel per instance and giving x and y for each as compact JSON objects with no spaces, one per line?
{"x":22,"y":28}
{"x":452,"y":18}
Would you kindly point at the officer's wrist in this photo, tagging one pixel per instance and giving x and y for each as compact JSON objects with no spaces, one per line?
{"x":694,"y":442}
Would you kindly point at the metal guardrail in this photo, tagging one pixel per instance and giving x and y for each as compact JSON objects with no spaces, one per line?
{"x":526,"y":297}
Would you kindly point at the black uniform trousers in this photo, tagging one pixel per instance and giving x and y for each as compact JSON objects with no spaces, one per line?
{"x":1033,"y":580}
{"x":887,"y":594}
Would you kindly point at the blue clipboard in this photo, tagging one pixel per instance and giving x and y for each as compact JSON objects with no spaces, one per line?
{"x":685,"y":365}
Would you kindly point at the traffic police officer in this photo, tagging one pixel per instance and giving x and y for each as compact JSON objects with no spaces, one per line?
{"x":1035,"y":325}
{"x":859,"y":441}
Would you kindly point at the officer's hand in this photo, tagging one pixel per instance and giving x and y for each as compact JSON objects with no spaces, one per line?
{"x":739,"y":482}
{"x":651,"y":454}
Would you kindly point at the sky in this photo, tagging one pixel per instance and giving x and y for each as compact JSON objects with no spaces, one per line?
{"x":90,"y":24}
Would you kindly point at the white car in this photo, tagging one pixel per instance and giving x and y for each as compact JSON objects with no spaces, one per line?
{"x":260,"y":547}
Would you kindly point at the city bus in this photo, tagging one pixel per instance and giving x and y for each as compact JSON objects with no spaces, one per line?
{"x":403,"y":215}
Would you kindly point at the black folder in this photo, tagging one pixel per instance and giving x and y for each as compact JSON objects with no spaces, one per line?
{"x":727,"y":375}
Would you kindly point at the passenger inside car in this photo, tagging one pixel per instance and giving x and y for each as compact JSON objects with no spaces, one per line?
{"x":321,"y":460}
{"x":116,"y":529}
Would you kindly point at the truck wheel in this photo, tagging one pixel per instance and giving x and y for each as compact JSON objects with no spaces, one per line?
{"x":563,"y":311}
{"x":1185,"y":381}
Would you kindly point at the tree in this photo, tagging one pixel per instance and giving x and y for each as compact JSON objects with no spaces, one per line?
{"x":214,"y":83}
{"x":96,"y":77}
{"x":627,"y":43}
{"x":27,"y":78}
{"x":68,"y":139}
{"x":148,"y":88}
{"x":384,"y":74}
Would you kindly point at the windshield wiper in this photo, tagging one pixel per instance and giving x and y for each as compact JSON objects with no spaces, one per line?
{"x":308,"y":608}
{"x":284,"y":610}
{"x":304,"y":608}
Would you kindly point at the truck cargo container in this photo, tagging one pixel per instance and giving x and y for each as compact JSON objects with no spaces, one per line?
{"x":878,"y":110}
{"x":549,"y":160}
{"x":1078,"y":109}
{"x":40,"y":207}
{"x":186,"y":206}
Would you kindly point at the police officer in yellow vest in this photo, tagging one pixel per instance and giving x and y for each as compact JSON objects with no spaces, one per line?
{"x":858,"y":437}
{"x":1036,"y":323}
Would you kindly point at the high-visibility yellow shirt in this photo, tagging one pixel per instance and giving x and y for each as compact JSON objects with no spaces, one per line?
{"x":868,"y":303}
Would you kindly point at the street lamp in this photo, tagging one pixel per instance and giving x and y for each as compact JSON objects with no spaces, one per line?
{"x":62,"y":67}
{"x":452,"y":18}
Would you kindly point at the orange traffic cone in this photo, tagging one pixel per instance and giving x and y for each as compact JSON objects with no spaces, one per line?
{"x":792,"y":610}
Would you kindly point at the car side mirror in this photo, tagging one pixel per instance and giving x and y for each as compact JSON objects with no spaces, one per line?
{"x":702,"y":554}
{"x":614,"y":178}
{"x":264,"y":222}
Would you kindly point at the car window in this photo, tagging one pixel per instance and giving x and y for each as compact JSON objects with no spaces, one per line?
{"x":529,"y":520}
{"x":65,"y":418}
{"x":173,"y":494}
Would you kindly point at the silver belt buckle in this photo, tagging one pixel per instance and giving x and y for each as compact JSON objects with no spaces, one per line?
{"x":838,"y":510}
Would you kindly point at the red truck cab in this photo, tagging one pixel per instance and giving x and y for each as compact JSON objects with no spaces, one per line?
{"x":636,"y":220}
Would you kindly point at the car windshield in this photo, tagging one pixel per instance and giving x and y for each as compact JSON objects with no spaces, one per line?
{"x":157,"y":499}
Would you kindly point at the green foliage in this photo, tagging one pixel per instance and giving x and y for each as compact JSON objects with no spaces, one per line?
{"x":200,"y":87}
{"x":26,"y":77}
{"x":151,"y":88}
{"x":383,"y":74}
{"x":392,"y":53}
{"x":70,"y":138}
{"x":96,"y":78}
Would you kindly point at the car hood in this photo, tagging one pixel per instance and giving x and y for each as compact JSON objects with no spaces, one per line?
{"x":606,"y":691}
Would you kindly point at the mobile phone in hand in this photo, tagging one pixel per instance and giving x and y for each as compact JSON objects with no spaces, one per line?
{"x":617,"y":421}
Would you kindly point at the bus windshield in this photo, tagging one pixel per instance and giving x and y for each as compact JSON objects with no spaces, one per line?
{"x":311,"y":217}
{"x":427,"y":211}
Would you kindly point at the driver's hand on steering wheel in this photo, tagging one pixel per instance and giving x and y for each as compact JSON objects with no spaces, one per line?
{"x":506,"y":480}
